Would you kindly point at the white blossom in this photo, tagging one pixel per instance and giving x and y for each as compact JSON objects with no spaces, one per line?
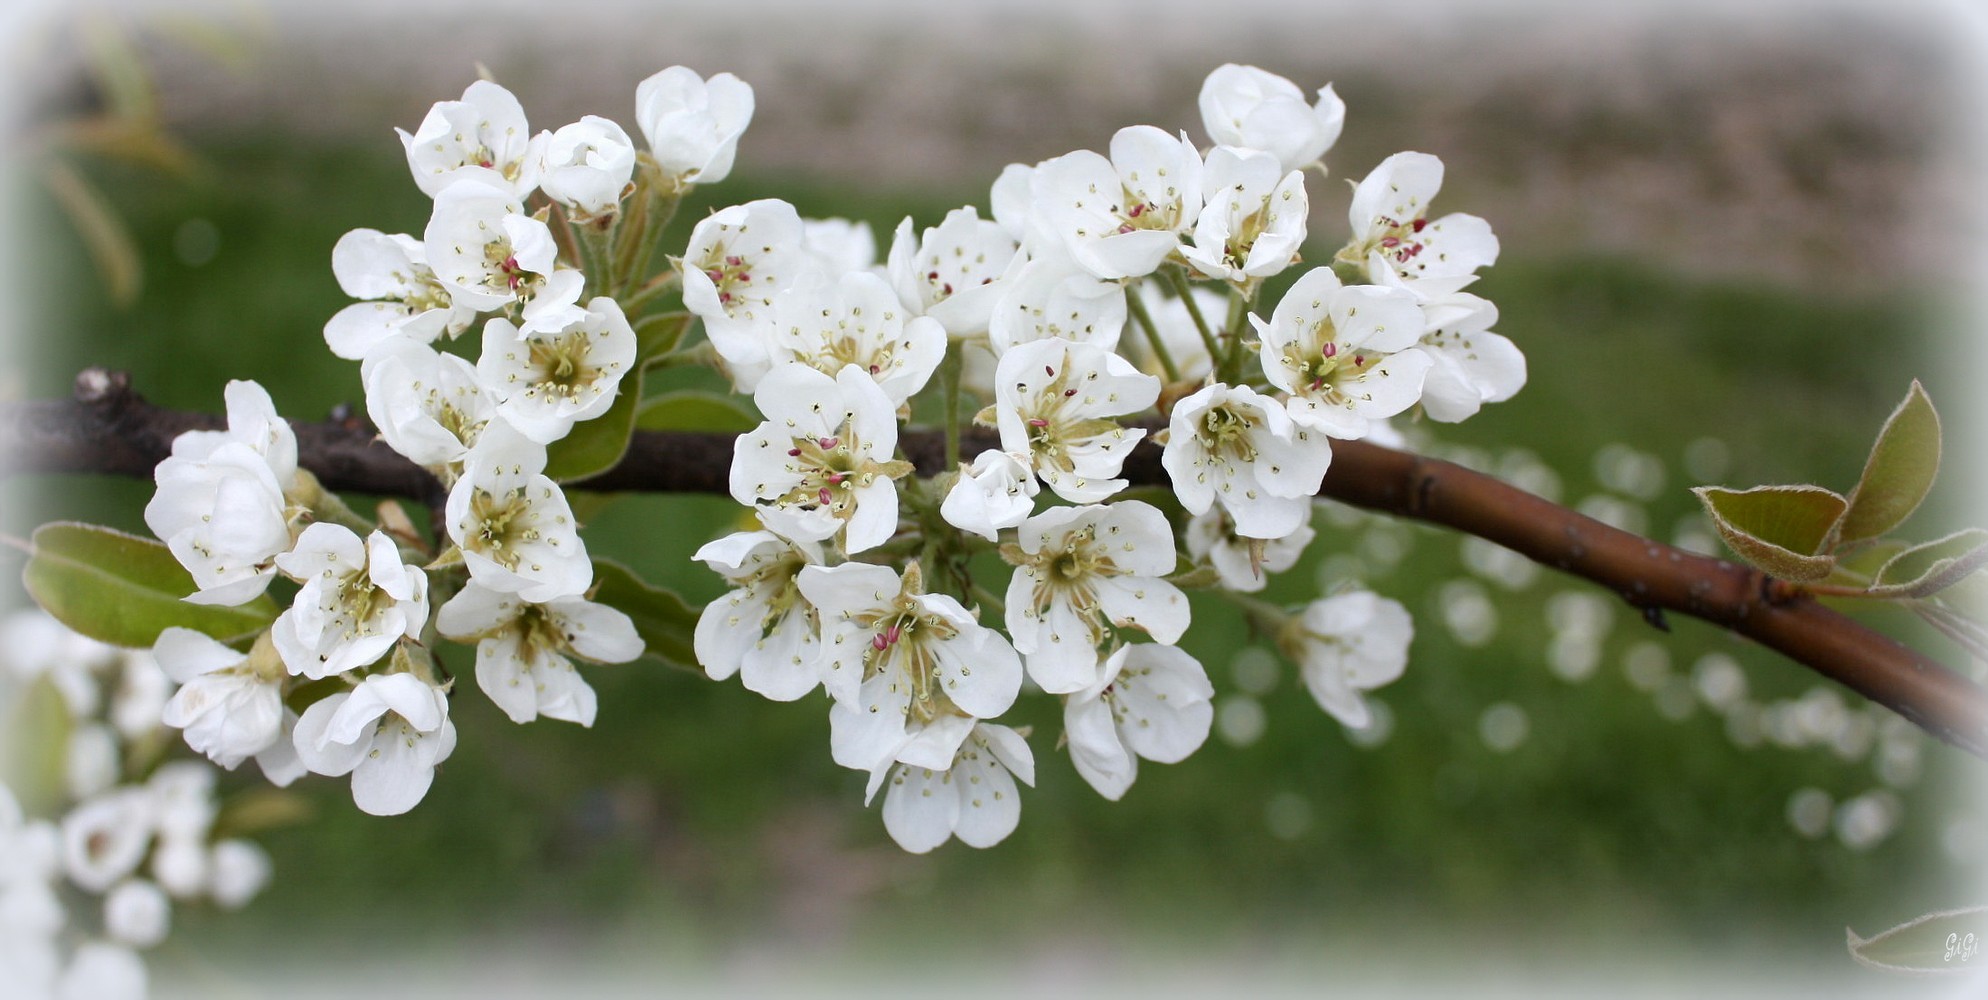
{"x":587,"y":166}
{"x":140,"y":694}
{"x":401,"y":299}
{"x":692,"y":125}
{"x":102,"y":971}
{"x":428,"y":406}
{"x":482,"y":138}
{"x":137,"y":913}
{"x":90,"y":760}
{"x":1252,"y":220}
{"x":36,"y":647}
{"x":973,"y":797}
{"x":105,"y":836}
{"x":220,"y":505}
{"x":1050,"y":296}
{"x":763,"y":629}
{"x":738,"y":260}
{"x":996,"y":491}
{"x":1472,"y":365}
{"x":1346,"y":354}
{"x":1150,"y":701}
{"x":1242,"y":564}
{"x":388,"y":733}
{"x":1055,"y":401}
{"x":1392,"y":231}
{"x":1082,"y":571}
{"x":523,"y":649}
{"x":513,"y":524}
{"x":1346,"y":644}
{"x":1248,"y":107}
{"x":1120,"y":217}
{"x":241,"y":869}
{"x":855,"y":320}
{"x":904,"y":667}
{"x":490,"y":255}
{"x":544,"y":381}
{"x":951,"y":271}
{"x":356,"y":600}
{"x":1227,"y":443}
{"x":821,"y":465}
{"x":839,"y":246}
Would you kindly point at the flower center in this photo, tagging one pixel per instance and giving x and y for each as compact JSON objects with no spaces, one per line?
{"x":903,"y":643}
{"x":730,"y":272}
{"x":1225,"y":432}
{"x":561,"y":362}
{"x":502,"y":523}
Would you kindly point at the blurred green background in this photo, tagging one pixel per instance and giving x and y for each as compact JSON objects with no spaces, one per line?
{"x":1555,"y":781}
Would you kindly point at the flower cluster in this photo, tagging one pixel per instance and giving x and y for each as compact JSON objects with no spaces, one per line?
{"x":111,"y":822}
{"x":1101,"y":300}
{"x":1102,"y":296}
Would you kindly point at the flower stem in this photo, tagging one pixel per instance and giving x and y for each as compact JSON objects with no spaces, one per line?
{"x":1178,"y":277}
{"x":1231,"y":366}
{"x":1267,"y":618}
{"x":1145,"y":318}
{"x":949,"y":375}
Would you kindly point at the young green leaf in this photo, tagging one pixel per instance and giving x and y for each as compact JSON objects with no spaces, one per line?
{"x":661,"y":618}
{"x":596,"y":445}
{"x":1899,"y":472}
{"x":125,"y":590}
{"x":660,"y":334}
{"x":1779,"y":529}
{"x":1925,"y":570}
{"x":695,"y":410}
{"x":34,"y":744}
{"x":1946,"y":942}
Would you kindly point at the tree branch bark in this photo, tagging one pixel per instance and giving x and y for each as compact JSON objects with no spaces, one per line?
{"x":109,"y":428}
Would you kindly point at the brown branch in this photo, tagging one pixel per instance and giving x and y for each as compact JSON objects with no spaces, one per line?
{"x":108,"y":428}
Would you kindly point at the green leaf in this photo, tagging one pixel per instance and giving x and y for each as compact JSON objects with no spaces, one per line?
{"x":1925,"y":570}
{"x":1779,"y":529}
{"x":660,"y":334}
{"x":1946,"y":942}
{"x":596,"y":445}
{"x":696,"y":410}
{"x":125,"y":590}
{"x":1900,"y":470}
{"x":661,"y":618}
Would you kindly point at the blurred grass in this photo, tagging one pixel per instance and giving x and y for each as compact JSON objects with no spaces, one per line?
{"x":698,"y":821}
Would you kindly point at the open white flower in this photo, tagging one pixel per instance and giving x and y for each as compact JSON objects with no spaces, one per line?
{"x":1150,"y":701}
{"x":587,"y":166}
{"x":821,"y":462}
{"x":491,"y":255}
{"x":1121,"y":217}
{"x":104,"y":837}
{"x":546,"y":380}
{"x":1472,"y":365}
{"x":1255,"y":109}
{"x":973,"y":797}
{"x":402,"y":298}
{"x":220,"y":505}
{"x":997,"y":491}
{"x":738,"y":260}
{"x":1392,"y":231}
{"x":1229,"y":444}
{"x":513,"y":524}
{"x":388,"y":734}
{"x":904,"y":667}
{"x":763,"y":629}
{"x":1050,"y":296}
{"x":692,"y":125}
{"x":229,"y":704}
{"x":951,"y":272}
{"x":1055,"y":401}
{"x":428,"y":406}
{"x":481,"y":138}
{"x":1252,"y":220}
{"x":523,"y":649}
{"x":1346,"y":354}
{"x":854,"y":320}
{"x":1346,"y":644}
{"x":357,"y":600}
{"x":1242,"y":564}
{"x":1080,"y":571}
